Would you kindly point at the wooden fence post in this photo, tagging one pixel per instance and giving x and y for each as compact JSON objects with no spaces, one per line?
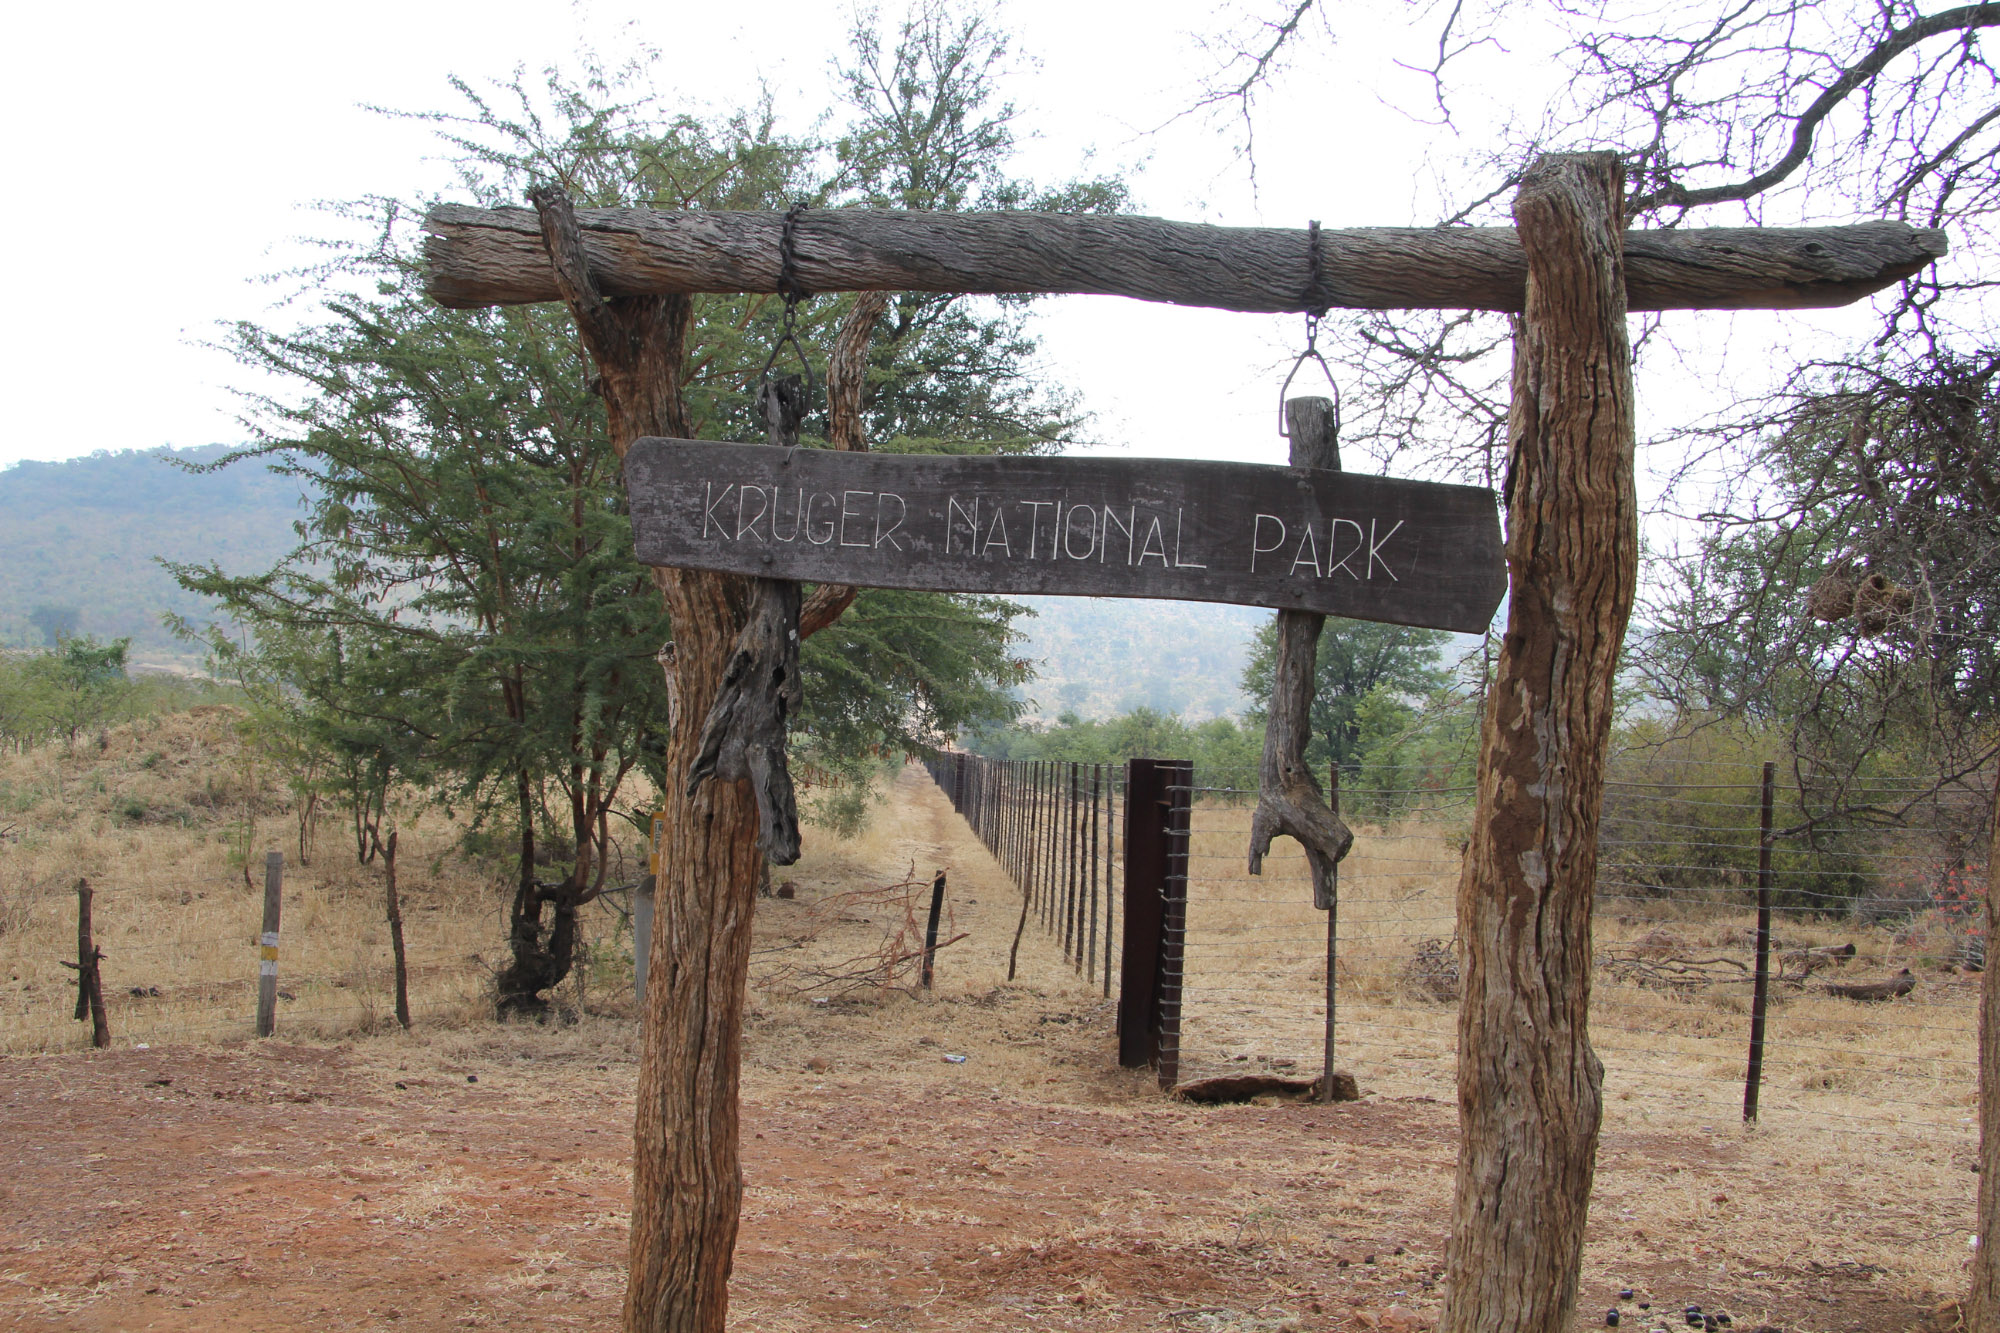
{"x":931,"y":930}
{"x":267,"y":966}
{"x":1529,"y":1085}
{"x":89,"y":980}
{"x":396,"y":931}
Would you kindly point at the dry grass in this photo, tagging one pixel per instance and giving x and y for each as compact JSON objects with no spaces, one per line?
{"x":1033,"y":1182}
{"x":159,"y":817}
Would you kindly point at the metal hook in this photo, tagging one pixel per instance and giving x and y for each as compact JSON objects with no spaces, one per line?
{"x":1311,"y":353}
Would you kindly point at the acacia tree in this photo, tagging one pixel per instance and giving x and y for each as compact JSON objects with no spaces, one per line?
{"x":1356,"y":658}
{"x":468,"y":532}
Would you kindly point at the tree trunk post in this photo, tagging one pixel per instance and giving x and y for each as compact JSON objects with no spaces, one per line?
{"x":687,"y":1187}
{"x":395,"y":906}
{"x":1983,"y":1309}
{"x":267,"y":955}
{"x":89,"y":979}
{"x":1529,"y":1099}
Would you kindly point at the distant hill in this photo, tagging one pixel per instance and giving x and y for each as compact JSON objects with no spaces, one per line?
{"x":1101,"y":656}
{"x":78,"y":542}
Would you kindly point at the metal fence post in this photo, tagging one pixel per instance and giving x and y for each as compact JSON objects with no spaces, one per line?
{"x":1332,"y":938}
{"x":1157,"y":793}
{"x":1753,"y":1077}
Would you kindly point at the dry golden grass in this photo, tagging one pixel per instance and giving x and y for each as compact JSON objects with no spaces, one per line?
{"x":1256,"y":977}
{"x":158,"y":817}
{"x":1047,"y":1168}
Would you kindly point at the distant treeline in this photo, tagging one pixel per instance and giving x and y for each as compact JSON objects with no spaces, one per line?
{"x":79,"y":688}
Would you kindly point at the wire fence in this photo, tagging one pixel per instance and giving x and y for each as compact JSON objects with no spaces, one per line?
{"x":1056,"y":828}
{"x":1874,"y":935}
{"x":1873,"y":932}
{"x":182,"y":960}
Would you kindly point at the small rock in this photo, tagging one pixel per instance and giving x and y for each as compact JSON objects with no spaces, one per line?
{"x":1611,"y":1317}
{"x":472,"y":1078}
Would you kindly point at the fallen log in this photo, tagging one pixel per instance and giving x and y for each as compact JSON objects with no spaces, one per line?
{"x":496,"y":256}
{"x":1875,"y":991}
{"x":1228,"y":1088}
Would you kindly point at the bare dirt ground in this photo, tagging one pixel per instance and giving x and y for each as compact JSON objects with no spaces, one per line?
{"x":478,"y":1176}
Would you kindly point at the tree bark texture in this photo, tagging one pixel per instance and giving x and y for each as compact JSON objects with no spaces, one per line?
{"x":495,"y":256}
{"x":749,"y":725}
{"x":1288,"y":799}
{"x":1983,"y":1309}
{"x":1529,"y":1099}
{"x":687,"y":1186}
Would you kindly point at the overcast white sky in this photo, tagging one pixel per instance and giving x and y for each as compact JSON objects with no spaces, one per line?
{"x":162,"y":158}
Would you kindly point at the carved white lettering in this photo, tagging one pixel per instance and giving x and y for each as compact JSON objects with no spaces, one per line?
{"x":1035,"y":508}
{"x":848,"y":512}
{"x":1089,"y":531}
{"x":1131,"y":516}
{"x":1178,"y":562}
{"x":827,"y":496}
{"x":1374,"y":546}
{"x":743,"y":494}
{"x":1257,"y":546}
{"x":997,"y":534}
{"x":1333,"y":547}
{"x":1307,"y":542}
{"x":798,"y":515}
{"x":888,"y":534}
{"x":715,"y":502}
{"x":1154,"y":543}
{"x":953,"y":511}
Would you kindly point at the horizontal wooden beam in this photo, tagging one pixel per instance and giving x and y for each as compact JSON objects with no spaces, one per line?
{"x":494,"y":256}
{"x":1374,"y":548}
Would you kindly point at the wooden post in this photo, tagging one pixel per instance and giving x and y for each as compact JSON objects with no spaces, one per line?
{"x":1090,"y":836}
{"x":931,"y":930}
{"x":1529,"y":1099}
{"x":1983,"y":1307}
{"x":1753,"y":1077}
{"x":89,"y":979}
{"x":686,"y":1183}
{"x":396,"y":931}
{"x":642,"y":938}
{"x":267,"y":954}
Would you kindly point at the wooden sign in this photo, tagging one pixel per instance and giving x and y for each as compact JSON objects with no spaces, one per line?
{"x":1372,"y":548}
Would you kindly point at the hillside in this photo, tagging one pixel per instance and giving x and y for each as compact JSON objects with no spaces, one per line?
{"x":1101,"y":656}
{"x":83,"y":538}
